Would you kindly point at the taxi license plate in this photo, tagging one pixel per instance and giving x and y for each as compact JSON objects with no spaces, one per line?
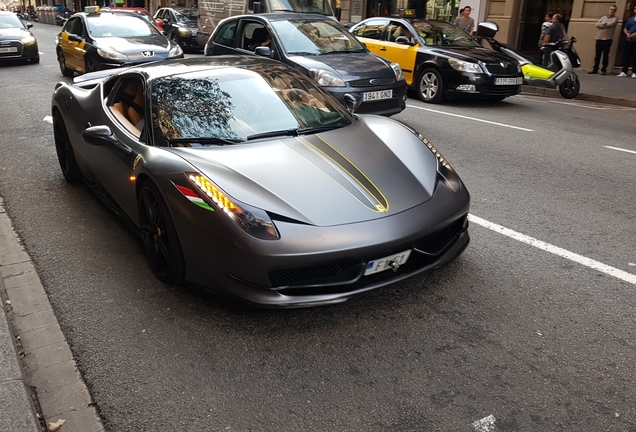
{"x":386,"y":263}
{"x":8,"y":50}
{"x":509,"y":81}
{"x":377,"y":95}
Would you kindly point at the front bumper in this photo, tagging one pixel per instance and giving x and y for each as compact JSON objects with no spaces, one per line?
{"x":481,"y":85}
{"x":313,"y":266}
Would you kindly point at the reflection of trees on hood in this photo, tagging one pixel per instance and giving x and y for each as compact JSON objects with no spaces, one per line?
{"x":191,"y":108}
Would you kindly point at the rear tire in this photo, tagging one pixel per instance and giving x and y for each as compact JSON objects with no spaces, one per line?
{"x":159,"y":235}
{"x":570,"y":89}
{"x":65,"y":155}
{"x":430,"y":87}
{"x":63,"y":68}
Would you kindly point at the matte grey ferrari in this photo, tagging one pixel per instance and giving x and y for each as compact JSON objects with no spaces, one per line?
{"x":244,"y":177}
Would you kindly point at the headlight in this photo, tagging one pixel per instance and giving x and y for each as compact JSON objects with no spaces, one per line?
{"x":464,"y":66}
{"x":184,"y":32}
{"x":28,"y":40}
{"x":112,"y":54}
{"x":252,"y":220}
{"x":175,"y":51}
{"x":325,"y":78}
{"x":445,"y":170}
{"x":397,"y":70}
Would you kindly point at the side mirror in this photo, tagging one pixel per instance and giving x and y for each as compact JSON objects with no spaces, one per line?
{"x":29,"y":25}
{"x":102,"y":135}
{"x":352,"y":102}
{"x":263,"y":51}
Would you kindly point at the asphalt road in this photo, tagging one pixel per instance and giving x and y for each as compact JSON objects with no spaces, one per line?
{"x":531,"y":329}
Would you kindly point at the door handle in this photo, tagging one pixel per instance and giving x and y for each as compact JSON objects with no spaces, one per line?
{"x":382,"y":49}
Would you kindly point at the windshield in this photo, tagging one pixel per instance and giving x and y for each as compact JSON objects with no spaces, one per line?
{"x":10,"y":21}
{"x":119,"y":25}
{"x":443,"y":34}
{"x":186,"y":15}
{"x":315,"y":37}
{"x":237,"y":105}
{"x":309,"y":6}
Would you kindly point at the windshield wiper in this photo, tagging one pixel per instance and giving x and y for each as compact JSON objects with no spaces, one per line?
{"x":206,"y":140}
{"x":293,"y":132}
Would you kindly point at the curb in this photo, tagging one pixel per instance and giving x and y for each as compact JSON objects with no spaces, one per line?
{"x":581,"y":96}
{"x":45,"y":359}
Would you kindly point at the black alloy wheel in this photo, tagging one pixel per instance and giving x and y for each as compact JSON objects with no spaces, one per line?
{"x":65,"y":155}
{"x":159,"y":235}
{"x":430,"y":87}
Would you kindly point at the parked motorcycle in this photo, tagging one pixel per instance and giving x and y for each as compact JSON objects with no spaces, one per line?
{"x":558,"y":74}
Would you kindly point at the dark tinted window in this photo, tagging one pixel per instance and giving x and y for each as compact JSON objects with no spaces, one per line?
{"x":226,"y":34}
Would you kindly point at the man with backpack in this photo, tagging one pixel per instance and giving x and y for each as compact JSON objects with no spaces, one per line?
{"x":555,"y":33}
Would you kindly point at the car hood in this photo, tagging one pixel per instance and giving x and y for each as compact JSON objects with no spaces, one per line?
{"x":369,"y":170}
{"x":477,"y":53}
{"x":157,"y":43}
{"x":13,"y":33}
{"x":349,"y":66}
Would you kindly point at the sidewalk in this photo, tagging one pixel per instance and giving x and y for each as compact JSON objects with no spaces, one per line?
{"x":37,"y":368}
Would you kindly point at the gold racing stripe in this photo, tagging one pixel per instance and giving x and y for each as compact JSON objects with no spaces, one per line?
{"x":344,"y":172}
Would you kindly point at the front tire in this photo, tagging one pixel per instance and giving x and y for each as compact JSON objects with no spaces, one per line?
{"x":159,"y":235}
{"x":430,"y":87}
{"x":569,"y":88}
{"x":65,"y":155}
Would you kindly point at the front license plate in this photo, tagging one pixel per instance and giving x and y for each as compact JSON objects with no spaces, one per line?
{"x":509,"y":81}
{"x":377,"y":95}
{"x":392,"y":262}
{"x":8,"y":50}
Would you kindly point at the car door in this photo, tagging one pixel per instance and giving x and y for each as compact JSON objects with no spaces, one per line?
{"x":113,"y":161}
{"x":72,"y":44}
{"x":402,"y":53}
{"x":371,"y":34}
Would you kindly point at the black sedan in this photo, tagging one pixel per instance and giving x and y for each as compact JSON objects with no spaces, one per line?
{"x":440,"y":60}
{"x":95,"y":40}
{"x":243,"y":176}
{"x":16,"y":40}
{"x":320,"y":48}
{"x":180,"y":26}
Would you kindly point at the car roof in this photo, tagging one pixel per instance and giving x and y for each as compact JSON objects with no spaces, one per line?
{"x":162,"y":68}
{"x":285,"y":16}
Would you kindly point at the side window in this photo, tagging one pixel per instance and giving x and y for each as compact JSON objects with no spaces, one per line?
{"x":160,"y":15}
{"x":254,"y":35}
{"x":374,"y":29}
{"x":127,"y":102}
{"x":395,"y":30}
{"x":71,"y":26}
{"x":226,"y":34}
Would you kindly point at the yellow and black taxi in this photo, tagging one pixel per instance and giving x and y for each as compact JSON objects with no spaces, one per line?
{"x":440,"y":60}
{"x":96,"y":40}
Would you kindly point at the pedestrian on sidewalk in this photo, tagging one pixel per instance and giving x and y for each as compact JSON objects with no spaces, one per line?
{"x":555,"y":33}
{"x":629,"y":53}
{"x":606,"y":26}
{"x":547,"y":22}
{"x":464,"y":21}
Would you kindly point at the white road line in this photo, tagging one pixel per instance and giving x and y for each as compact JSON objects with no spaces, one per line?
{"x":471,"y":118}
{"x":620,"y":149}
{"x":487,"y":424}
{"x":48,"y":119}
{"x":580,"y":259}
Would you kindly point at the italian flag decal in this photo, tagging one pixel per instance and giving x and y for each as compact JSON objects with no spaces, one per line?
{"x":193,"y":197}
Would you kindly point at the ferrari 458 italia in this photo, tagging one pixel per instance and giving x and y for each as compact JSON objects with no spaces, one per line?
{"x":243,"y":176}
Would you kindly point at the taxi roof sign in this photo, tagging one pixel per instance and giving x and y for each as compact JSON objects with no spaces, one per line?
{"x":91,"y":9}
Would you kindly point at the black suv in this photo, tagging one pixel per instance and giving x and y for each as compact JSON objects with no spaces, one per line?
{"x":180,"y":25}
